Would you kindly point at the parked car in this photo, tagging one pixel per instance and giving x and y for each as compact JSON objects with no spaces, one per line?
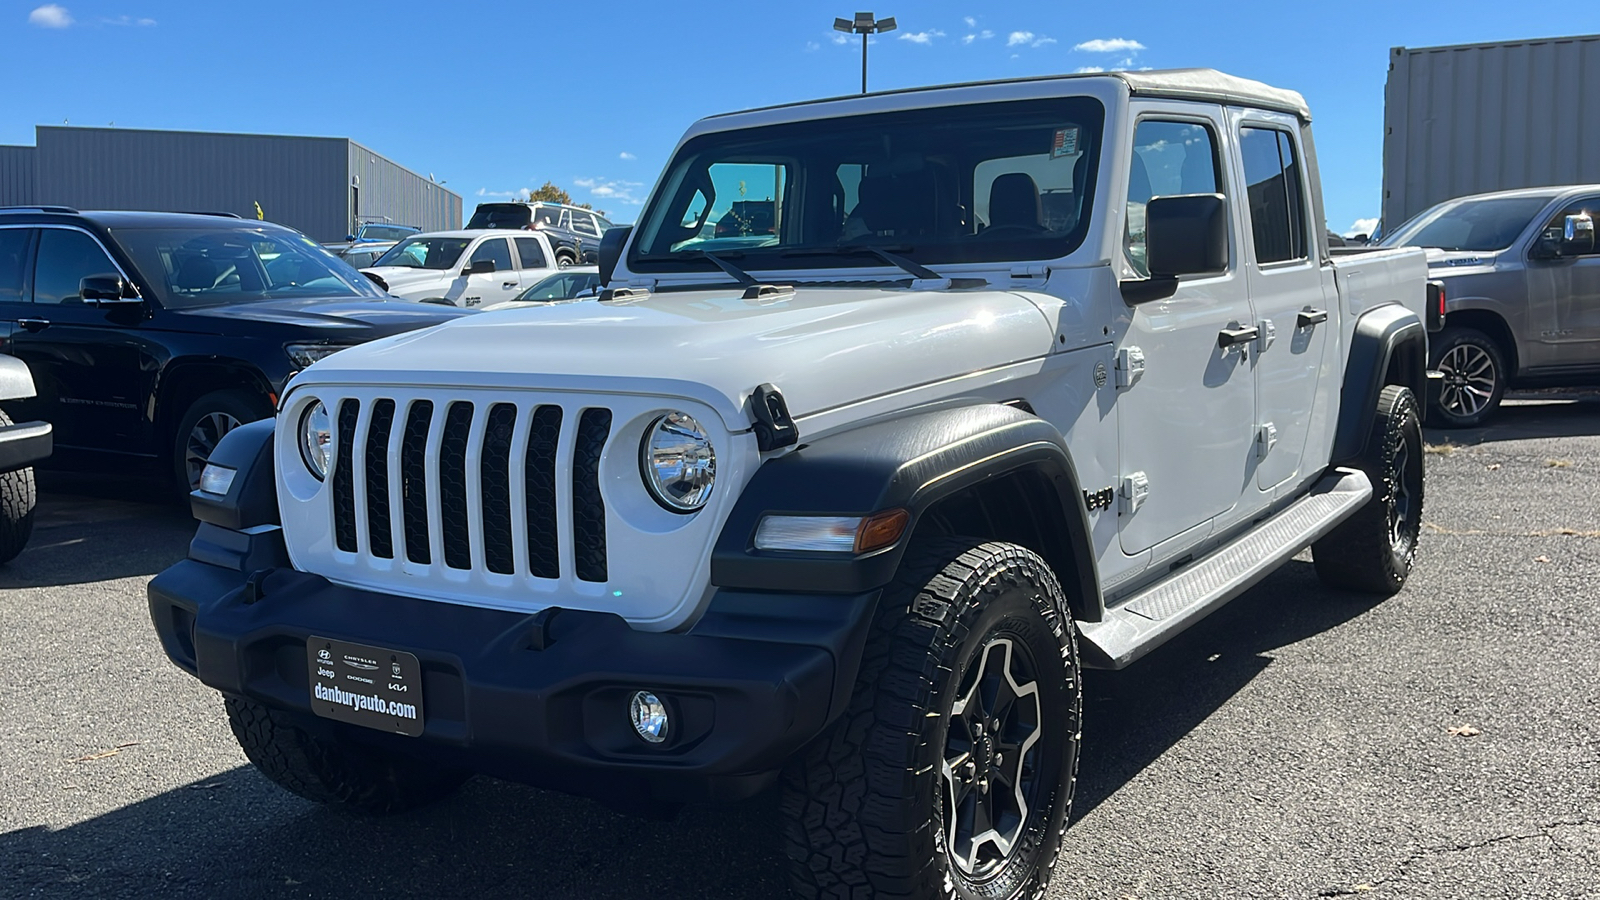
{"x":574,"y":232}
{"x":840,"y":517}
{"x":151,"y":335}
{"x":385,"y":233}
{"x":21,"y":445}
{"x":463,"y":268}
{"x":566,"y":284}
{"x":362,"y":256}
{"x":1521,"y":275}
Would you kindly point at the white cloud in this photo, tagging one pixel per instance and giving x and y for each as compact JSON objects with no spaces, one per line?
{"x":626,"y":155}
{"x":1086,"y":70}
{"x":50,"y":16}
{"x":1109,"y":45}
{"x":983,"y":35}
{"x":971,"y":22}
{"x":812,"y":46}
{"x":1027,"y":39}
{"x":839,"y":38}
{"x":1361,"y":226}
{"x":125,"y":21}
{"x":921,"y":37}
{"x":518,"y":194}
{"x":618,"y":191}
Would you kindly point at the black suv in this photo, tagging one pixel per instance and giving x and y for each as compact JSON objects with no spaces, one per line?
{"x":574,"y":232}
{"x":150,"y":335}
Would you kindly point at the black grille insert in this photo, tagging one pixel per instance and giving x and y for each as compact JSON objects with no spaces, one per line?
{"x":414,"y":481}
{"x":453,"y":485}
{"x":379,"y":534}
{"x":588,"y":507}
{"x":539,"y":473}
{"x":494,"y":474}
{"x":344,"y":477}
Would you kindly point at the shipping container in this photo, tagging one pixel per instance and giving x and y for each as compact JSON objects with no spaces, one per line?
{"x":1474,"y":118}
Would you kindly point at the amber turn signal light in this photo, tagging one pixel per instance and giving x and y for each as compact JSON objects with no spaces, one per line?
{"x":879,"y":530}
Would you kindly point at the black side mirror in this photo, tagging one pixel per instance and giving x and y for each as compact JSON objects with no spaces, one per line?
{"x":611,"y":244}
{"x":106,"y":290}
{"x":1185,"y":234}
{"x":349,"y":237}
{"x":479,"y":267}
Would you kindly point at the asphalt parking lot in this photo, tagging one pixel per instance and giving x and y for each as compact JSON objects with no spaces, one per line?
{"x":1299,"y":743}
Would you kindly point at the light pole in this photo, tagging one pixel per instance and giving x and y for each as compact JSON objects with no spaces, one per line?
{"x":864,"y":24}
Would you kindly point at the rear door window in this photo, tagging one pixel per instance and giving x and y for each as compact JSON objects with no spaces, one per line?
{"x":14,"y":245}
{"x":1276,"y":195}
{"x":531,"y":253}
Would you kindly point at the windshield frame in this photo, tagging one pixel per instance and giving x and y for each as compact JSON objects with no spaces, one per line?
{"x":755,"y":144}
{"x":1402,"y":236}
{"x":137,"y":244}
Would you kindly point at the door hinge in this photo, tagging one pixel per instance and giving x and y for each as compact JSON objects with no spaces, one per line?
{"x":1266,"y":439}
{"x":1130,"y":366}
{"x":1029,"y":273}
{"x":1269,"y":333}
{"x":1135,"y":490}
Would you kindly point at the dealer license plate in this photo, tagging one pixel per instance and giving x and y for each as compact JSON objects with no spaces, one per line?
{"x":367,"y":686}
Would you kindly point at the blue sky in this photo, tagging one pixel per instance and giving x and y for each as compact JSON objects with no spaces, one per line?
{"x":497,"y":97}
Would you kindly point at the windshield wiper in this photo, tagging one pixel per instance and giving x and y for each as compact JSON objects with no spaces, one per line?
{"x":738,"y":274}
{"x":916,"y":269}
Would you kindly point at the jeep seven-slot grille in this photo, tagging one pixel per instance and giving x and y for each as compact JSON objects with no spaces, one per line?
{"x":453,"y":465}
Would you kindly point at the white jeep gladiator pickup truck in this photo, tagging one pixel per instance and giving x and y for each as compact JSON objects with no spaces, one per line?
{"x":1029,"y":376}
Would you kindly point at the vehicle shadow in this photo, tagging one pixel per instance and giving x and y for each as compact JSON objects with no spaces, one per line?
{"x":94,"y":529}
{"x":1134,"y":716}
{"x":1575,"y":415}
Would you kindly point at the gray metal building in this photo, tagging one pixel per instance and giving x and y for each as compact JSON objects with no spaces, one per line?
{"x":1473,"y":118}
{"x":321,"y":186}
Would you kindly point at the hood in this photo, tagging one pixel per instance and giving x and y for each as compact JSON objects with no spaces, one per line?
{"x":1448,"y":260}
{"x":393,"y":275}
{"x":351,"y":319}
{"x":822,"y":347}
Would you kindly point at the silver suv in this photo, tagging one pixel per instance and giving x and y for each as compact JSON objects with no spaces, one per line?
{"x":1521,"y":271}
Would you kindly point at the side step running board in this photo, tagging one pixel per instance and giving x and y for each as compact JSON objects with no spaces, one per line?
{"x":1149,"y":618}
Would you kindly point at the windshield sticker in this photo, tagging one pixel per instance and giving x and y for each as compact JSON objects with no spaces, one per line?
{"x":1066,"y":142}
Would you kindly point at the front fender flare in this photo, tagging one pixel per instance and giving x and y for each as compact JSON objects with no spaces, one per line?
{"x":911,"y":462}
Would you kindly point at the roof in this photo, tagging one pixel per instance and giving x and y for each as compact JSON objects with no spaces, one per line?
{"x":474,"y":232}
{"x":129,"y":218}
{"x":1547,"y":192}
{"x":1178,"y":84}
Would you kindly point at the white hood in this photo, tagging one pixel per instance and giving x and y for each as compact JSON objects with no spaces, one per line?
{"x":403,"y":275}
{"x":822,"y":347}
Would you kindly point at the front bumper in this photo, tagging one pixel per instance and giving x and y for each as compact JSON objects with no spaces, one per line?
{"x":535,"y":697}
{"x":24,"y":444}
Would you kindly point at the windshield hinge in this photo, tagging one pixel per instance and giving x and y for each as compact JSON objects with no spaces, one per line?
{"x":1031,"y":272}
{"x":773,"y":425}
{"x":623,"y":295}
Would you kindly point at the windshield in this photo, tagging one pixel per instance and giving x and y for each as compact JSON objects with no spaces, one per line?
{"x":203,"y":267}
{"x":500,"y":215}
{"x":1482,"y":225}
{"x":956,"y":184}
{"x":562,"y":286}
{"x":425,"y":253}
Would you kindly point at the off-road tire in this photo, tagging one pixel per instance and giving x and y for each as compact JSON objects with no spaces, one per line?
{"x":564,"y":261}
{"x":18,"y":498}
{"x":863,"y":807}
{"x":1475,"y":346}
{"x":243,"y":406}
{"x":1374,"y":549}
{"x":326,"y":770}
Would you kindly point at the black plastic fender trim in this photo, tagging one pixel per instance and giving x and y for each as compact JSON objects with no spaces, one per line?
{"x":1381,"y":336}
{"x":252,"y":499}
{"x":910,"y":463}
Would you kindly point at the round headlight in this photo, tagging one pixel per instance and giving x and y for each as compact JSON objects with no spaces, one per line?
{"x":316,"y":439}
{"x":679,"y":464}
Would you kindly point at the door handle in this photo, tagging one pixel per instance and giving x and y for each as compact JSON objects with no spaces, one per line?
{"x":1309,"y":317}
{"x":508,"y":284}
{"x":1228,"y":337}
{"x":34,"y":325}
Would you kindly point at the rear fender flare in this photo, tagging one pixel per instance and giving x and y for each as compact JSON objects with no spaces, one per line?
{"x":1388,"y":339}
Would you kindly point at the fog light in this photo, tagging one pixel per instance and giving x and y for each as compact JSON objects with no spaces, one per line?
{"x":649,"y":716}
{"x":215,"y":479}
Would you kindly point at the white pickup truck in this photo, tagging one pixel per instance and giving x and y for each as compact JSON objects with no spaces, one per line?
{"x":1029,"y":376}
{"x":470,"y":268}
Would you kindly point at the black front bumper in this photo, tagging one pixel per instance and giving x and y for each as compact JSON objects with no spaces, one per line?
{"x":534,"y":697}
{"x":24,"y":444}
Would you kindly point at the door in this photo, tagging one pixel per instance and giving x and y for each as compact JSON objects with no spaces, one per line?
{"x":86,"y":369}
{"x":532,"y":262}
{"x":16,"y":255}
{"x":588,"y":237}
{"x":1185,"y":424}
{"x":491,"y":287}
{"x":1286,"y":291}
{"x":1569,"y":287}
